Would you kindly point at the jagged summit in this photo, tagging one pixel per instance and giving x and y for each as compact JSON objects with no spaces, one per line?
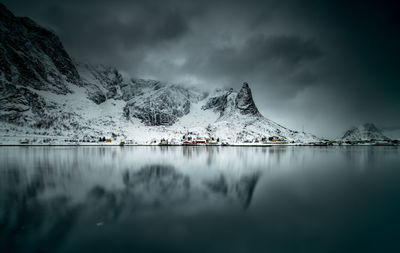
{"x":364,"y":132}
{"x":5,"y":13}
{"x":244,"y":101}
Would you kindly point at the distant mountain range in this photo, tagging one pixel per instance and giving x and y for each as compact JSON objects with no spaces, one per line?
{"x":365,"y":132}
{"x":45,"y":93}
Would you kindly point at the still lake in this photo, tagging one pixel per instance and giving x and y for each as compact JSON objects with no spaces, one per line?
{"x":200,"y":199}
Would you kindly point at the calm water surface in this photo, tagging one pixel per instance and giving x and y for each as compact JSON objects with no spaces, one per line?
{"x":199,"y":199}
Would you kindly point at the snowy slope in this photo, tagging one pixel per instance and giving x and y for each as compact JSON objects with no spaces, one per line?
{"x":241,"y":121}
{"x":75,"y":115}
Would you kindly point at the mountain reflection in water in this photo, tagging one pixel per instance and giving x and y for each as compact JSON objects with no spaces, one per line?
{"x":63,"y":199}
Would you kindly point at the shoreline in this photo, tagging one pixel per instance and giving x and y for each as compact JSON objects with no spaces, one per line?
{"x":180,"y":145}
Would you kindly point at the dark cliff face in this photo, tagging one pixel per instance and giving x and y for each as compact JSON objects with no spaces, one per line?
{"x":218,"y":103}
{"x":241,"y":101}
{"x":32,"y":56}
{"x":155,"y":103}
{"x":244,"y":101}
{"x":101,"y":82}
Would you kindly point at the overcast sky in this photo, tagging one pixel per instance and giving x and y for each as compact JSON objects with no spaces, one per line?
{"x":324,"y":65}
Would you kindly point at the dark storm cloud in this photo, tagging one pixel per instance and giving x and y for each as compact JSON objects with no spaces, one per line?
{"x":326,"y":65}
{"x":284,"y":53}
{"x":107,"y":31}
{"x":260,"y":58}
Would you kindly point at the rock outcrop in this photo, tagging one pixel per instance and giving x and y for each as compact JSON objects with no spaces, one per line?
{"x":244,"y":101}
{"x":32,"y":56}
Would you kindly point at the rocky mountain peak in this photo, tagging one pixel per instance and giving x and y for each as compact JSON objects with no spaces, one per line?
{"x":4,"y":12}
{"x":33,"y":56}
{"x":244,"y":101}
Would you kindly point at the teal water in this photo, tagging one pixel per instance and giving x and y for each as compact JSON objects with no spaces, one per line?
{"x":199,"y":199}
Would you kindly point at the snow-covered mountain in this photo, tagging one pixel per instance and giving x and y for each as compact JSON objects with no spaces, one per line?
{"x":365,"y":132}
{"x":46,"y":95}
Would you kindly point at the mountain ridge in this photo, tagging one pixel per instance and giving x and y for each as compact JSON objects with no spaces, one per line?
{"x":47,"y":92}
